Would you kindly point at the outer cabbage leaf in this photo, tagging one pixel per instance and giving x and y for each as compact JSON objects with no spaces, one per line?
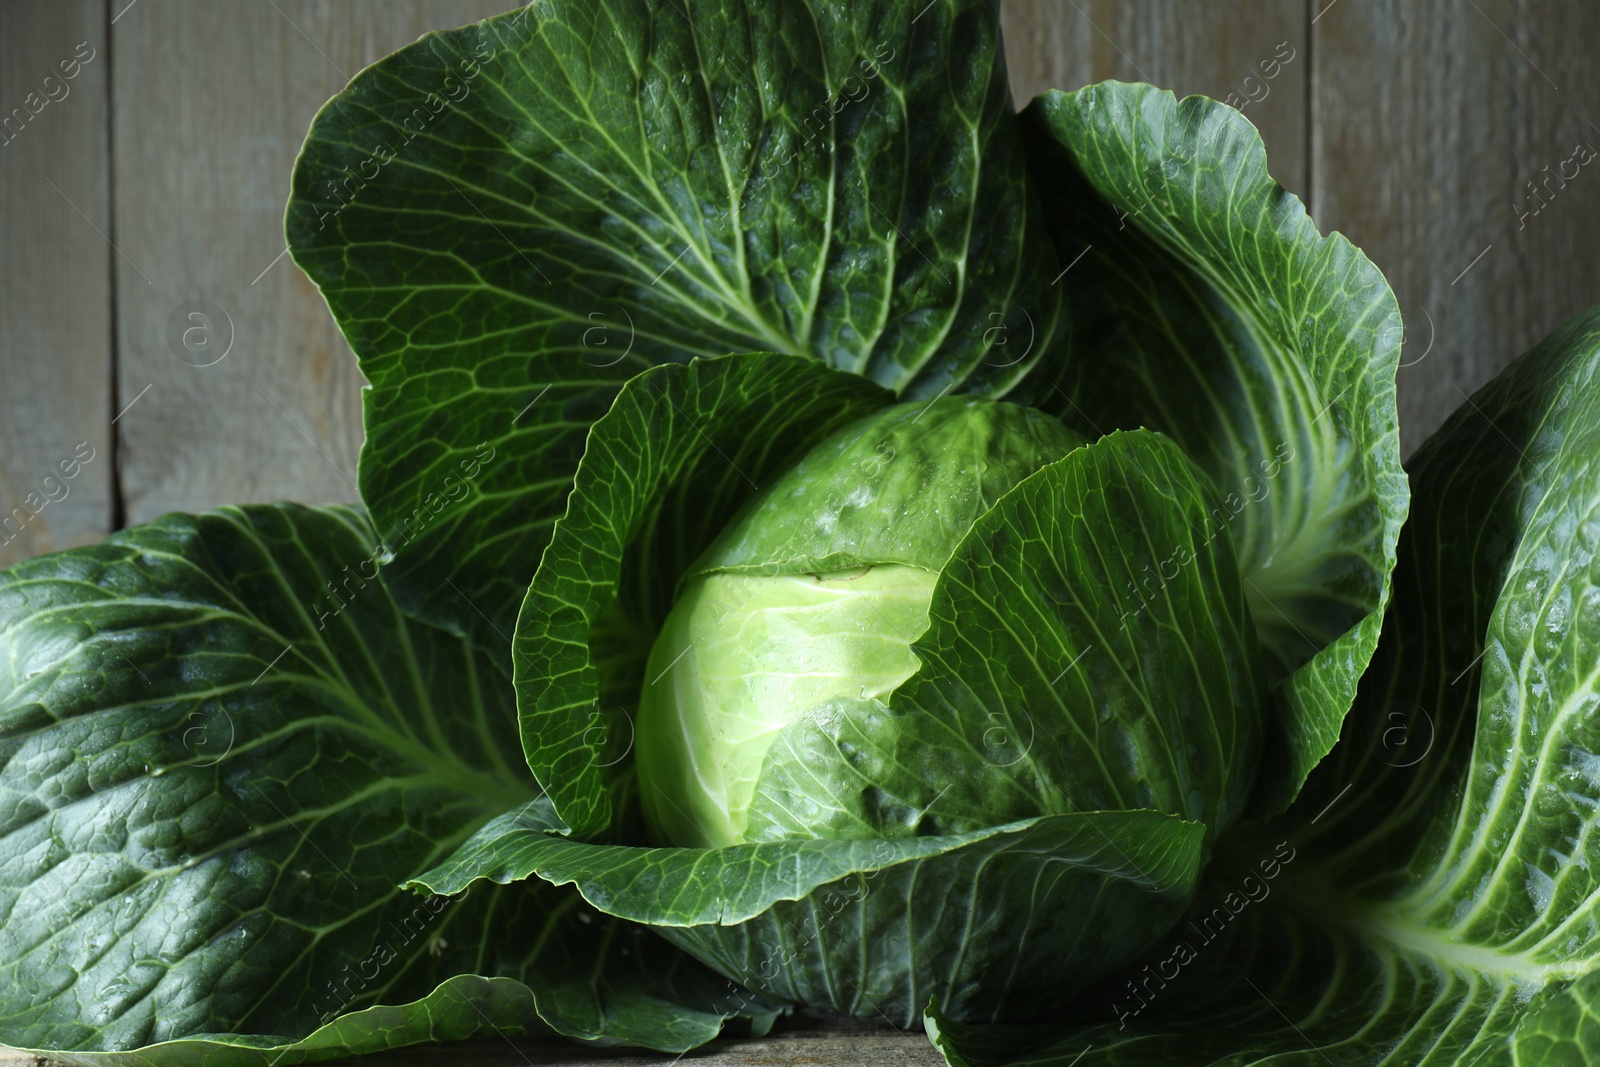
{"x":510,"y":219}
{"x":1206,"y":305}
{"x":1442,"y":903}
{"x":216,"y":765}
{"x":681,"y":449}
{"x":872,"y":927}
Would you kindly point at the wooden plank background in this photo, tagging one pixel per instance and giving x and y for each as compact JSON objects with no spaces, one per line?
{"x":152,"y":192}
{"x":143,"y":211}
{"x":55,"y":279}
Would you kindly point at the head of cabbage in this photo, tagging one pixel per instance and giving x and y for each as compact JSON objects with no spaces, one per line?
{"x":800,"y":624}
{"x":810,"y":602}
{"x":864,"y":701}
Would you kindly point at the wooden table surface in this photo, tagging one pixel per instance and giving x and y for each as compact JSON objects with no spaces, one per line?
{"x":1414,"y":127}
{"x":806,"y":1040}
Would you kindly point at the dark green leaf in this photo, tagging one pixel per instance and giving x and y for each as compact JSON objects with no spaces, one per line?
{"x":510,"y":219}
{"x":1442,"y":905}
{"x":222,"y":747}
{"x":1207,"y":306}
{"x":872,"y":927}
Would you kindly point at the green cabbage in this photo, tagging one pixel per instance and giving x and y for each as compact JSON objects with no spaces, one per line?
{"x":829,"y":541}
{"x":767,"y":630}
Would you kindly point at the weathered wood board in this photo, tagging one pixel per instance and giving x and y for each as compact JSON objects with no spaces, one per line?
{"x":55,"y":278}
{"x":253,"y":394}
{"x":1430,"y":119}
